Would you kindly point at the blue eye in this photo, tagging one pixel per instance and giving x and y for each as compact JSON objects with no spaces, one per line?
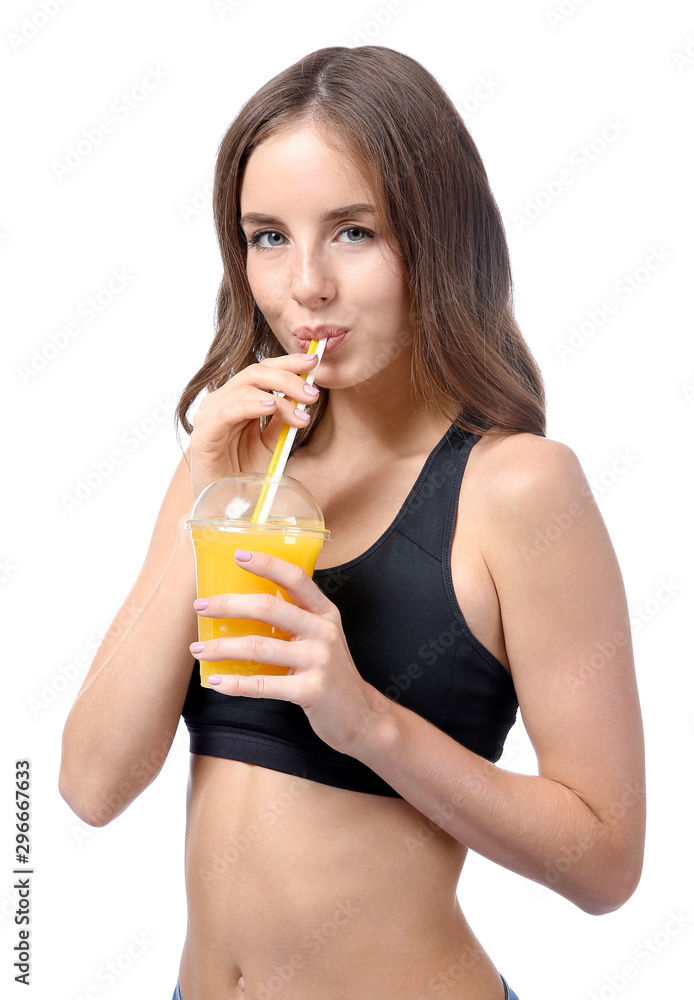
{"x":273,"y":236}
{"x":356,"y":229}
{"x":254,"y":241}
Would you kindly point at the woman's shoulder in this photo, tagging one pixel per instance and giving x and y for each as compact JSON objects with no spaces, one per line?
{"x":528,"y":495}
{"x":525,"y":472}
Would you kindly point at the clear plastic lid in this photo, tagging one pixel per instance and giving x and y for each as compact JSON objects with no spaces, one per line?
{"x":229,"y":505}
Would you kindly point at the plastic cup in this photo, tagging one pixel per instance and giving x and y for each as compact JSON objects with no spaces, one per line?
{"x":221,"y":522}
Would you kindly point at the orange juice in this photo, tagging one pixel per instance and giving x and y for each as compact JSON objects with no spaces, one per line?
{"x":218,"y":573}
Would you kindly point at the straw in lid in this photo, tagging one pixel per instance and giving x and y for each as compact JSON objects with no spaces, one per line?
{"x":228,"y":505}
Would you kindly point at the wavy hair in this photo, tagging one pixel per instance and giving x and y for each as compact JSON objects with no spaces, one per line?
{"x":389,"y":114}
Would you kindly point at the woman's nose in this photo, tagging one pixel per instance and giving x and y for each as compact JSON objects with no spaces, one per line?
{"x":311,"y":280}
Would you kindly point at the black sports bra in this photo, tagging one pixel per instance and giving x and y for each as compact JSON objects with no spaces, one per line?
{"x":407,"y":636}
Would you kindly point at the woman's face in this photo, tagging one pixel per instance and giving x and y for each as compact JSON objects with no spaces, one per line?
{"x":317,"y":256}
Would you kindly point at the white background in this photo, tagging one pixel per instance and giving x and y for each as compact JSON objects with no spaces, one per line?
{"x":533,"y":89}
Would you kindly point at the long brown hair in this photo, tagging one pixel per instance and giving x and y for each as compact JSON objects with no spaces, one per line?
{"x":389,"y":114}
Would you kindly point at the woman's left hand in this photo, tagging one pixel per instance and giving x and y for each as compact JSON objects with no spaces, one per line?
{"x":322,"y":678}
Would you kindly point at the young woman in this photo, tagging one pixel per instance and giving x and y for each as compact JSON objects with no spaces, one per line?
{"x":468,"y":572}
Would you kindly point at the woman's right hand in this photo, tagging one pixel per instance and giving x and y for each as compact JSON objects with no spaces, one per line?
{"x":226,"y":437}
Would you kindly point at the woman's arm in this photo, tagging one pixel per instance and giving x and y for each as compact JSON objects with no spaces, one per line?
{"x":577,"y":827}
{"x":119,"y":732}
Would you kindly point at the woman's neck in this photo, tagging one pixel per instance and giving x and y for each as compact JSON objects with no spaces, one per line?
{"x":381,"y":415}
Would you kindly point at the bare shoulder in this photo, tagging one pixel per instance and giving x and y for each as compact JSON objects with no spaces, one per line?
{"x":526,"y":474}
{"x":525,"y":461}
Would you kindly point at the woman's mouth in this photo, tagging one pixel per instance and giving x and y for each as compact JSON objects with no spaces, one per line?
{"x":334,"y":336}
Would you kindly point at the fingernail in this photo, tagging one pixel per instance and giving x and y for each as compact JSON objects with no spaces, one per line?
{"x":309,"y":357}
{"x":197,"y":647}
{"x":302,"y":414}
{"x":201,"y":603}
{"x":242,"y":555}
{"x":214,"y":679}
{"x":311,"y":390}
{"x":268,"y":402}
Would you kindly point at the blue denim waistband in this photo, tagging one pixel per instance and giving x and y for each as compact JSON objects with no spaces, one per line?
{"x":508,"y":992}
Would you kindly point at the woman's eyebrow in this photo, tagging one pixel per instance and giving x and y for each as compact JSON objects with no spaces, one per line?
{"x":257,"y":218}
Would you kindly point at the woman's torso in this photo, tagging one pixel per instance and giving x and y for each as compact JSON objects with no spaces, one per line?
{"x":308,"y":890}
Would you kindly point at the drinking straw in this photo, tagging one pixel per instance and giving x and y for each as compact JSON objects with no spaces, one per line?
{"x":283,"y":447}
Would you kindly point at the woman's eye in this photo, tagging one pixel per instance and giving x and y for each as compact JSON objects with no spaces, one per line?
{"x":361,"y":234}
{"x":266,"y":239}
{"x":272,"y":237}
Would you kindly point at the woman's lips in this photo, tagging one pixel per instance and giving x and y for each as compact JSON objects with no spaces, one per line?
{"x":333,"y":341}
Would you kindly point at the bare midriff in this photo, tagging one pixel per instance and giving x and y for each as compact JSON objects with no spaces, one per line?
{"x":302,"y":891}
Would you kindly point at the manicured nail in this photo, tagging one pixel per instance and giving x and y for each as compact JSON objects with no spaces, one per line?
{"x":214,"y":679}
{"x":309,"y":357}
{"x":302,"y":414}
{"x":201,"y":603}
{"x":311,"y":390}
{"x":268,"y":402}
{"x":242,"y":555}
{"x":197,"y":647}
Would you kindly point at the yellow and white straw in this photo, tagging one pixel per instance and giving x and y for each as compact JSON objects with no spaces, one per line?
{"x":283,"y":447}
